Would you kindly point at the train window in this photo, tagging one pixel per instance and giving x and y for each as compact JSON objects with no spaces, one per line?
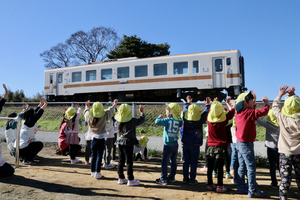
{"x":59,"y":78}
{"x":91,"y":75}
{"x":218,"y":65}
{"x":228,"y":61}
{"x":51,"y":79}
{"x":141,"y":71}
{"x":195,"y":66}
{"x":76,"y":76}
{"x":123,"y":72}
{"x":181,"y":68}
{"x":160,"y":69}
{"x":106,"y":74}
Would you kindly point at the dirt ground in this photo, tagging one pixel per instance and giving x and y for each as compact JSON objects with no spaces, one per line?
{"x":55,"y":178}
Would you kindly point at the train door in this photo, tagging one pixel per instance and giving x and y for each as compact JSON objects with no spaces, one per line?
{"x":51,"y":83}
{"x":59,"y":84}
{"x":219,"y":79}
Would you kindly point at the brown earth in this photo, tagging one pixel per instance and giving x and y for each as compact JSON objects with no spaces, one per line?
{"x":55,"y":178}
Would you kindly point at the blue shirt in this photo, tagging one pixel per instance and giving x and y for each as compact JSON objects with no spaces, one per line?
{"x":171,"y":128}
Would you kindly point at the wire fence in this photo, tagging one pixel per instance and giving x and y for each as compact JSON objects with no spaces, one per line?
{"x":50,"y":121}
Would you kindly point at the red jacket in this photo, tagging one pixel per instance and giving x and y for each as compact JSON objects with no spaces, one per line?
{"x":217,"y":132}
{"x":245,"y":123}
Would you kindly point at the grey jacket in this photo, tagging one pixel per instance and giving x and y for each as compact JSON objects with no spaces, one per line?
{"x":272,"y":133}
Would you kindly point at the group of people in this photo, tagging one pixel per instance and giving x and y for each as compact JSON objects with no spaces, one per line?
{"x":282,"y":139}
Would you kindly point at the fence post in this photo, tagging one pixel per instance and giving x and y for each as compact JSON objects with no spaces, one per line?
{"x":133,"y":110}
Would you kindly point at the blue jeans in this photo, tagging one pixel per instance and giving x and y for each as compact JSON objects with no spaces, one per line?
{"x":191,"y":155}
{"x":170,"y":152}
{"x":234,"y":160}
{"x":97,"y":148}
{"x":246,"y":161}
{"x":273,"y":157}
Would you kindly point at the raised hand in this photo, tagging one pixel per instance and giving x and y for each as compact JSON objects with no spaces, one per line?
{"x":87,"y":103}
{"x":141,"y":109}
{"x":282,"y":90}
{"x":5,"y":92}
{"x":161,"y":116}
{"x":265,"y":100}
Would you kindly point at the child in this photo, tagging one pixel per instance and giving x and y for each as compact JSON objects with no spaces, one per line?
{"x":126,"y":141}
{"x":87,"y":137}
{"x":140,"y":149}
{"x":217,"y":143}
{"x":192,"y":137}
{"x":96,"y":118}
{"x":109,"y":141}
{"x":246,"y":134}
{"x":72,"y":129}
{"x":288,"y":119}
{"x":171,"y":124}
{"x":29,"y":148}
{"x":5,"y":168}
{"x":272,"y":134}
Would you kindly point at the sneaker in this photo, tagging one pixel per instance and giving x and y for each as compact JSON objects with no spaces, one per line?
{"x":26,"y":162}
{"x":86,"y":163}
{"x":232,"y":172}
{"x":98,"y":175}
{"x":210,"y":187}
{"x":256,"y":193}
{"x":228,"y":176}
{"x":204,"y":169}
{"x":110,"y":166}
{"x":122,"y":181}
{"x":274,"y":186}
{"x":93,"y":174}
{"x":193,"y":182}
{"x":185,"y":180}
{"x":221,"y":189}
{"x":172,"y":180}
{"x":243,"y":190}
{"x":215,"y":174}
{"x":234,"y":182}
{"x":162,"y":182}
{"x":76,"y":160}
{"x":133,"y":182}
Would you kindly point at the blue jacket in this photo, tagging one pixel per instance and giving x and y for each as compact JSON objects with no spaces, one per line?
{"x":193,"y":130}
{"x":171,"y":128}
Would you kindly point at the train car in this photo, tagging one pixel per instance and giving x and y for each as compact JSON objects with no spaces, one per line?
{"x":155,"y":79}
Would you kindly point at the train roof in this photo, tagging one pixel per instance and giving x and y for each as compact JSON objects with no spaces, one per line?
{"x":136,"y":58}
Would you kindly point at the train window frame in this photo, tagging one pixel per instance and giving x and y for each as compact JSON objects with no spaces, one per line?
{"x":126,"y":73}
{"x":59,"y":78}
{"x":102,"y":77}
{"x":88,"y":78}
{"x":157,"y":69}
{"x":228,"y":61}
{"x":217,"y":68}
{"x":195,"y":68}
{"x":51,"y":78}
{"x":181,"y":65}
{"x":143,"y":70}
{"x":74,"y":78}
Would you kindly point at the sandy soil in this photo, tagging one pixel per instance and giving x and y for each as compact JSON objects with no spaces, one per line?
{"x":55,"y":178}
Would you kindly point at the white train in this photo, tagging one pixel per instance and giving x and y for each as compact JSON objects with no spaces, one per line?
{"x":164,"y":78}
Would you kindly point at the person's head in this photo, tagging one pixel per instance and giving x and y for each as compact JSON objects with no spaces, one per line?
{"x":97,"y":110}
{"x":12,"y":115}
{"x":271,"y":118}
{"x":28,"y":113}
{"x":245,"y":100}
{"x":216,"y":113}
{"x":70,"y":116}
{"x":225,"y":108}
{"x":291,"y":107}
{"x":173,"y":110}
{"x":193,"y":113}
{"x":124,"y":113}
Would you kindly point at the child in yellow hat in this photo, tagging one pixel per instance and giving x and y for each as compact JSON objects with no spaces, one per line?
{"x":192,"y":137}
{"x":246,"y":133}
{"x":96,"y":118}
{"x":171,"y":124}
{"x":127,"y":139}
{"x":217,"y":143}
{"x":288,"y":118}
{"x":272,"y":135}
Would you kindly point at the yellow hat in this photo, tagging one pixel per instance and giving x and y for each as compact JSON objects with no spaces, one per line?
{"x":143,"y":141}
{"x":233,"y":122}
{"x":271,"y":118}
{"x":216,"y":113}
{"x":97,"y":110}
{"x":291,"y":107}
{"x":124,"y":113}
{"x":240,"y":101}
{"x":193,"y":113}
{"x":70,"y":113}
{"x":175,"y":108}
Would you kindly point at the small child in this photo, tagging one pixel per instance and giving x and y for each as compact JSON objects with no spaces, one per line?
{"x":171,"y":124}
{"x":288,"y":118}
{"x":88,"y":138}
{"x":139,"y":150}
{"x":109,"y":142}
{"x":217,"y":143}
{"x":272,"y":134}
{"x":126,"y":140}
{"x":29,"y":148}
{"x":72,"y":129}
{"x":246,"y":133}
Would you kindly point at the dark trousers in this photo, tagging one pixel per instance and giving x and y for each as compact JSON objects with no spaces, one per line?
{"x":114,"y":147}
{"x":29,"y":152}
{"x":219,"y":166}
{"x":87,"y":150}
{"x":97,"y":148}
{"x":73,"y":149}
{"x":6,"y":170}
{"x":125,"y":153}
{"x":273,"y":157}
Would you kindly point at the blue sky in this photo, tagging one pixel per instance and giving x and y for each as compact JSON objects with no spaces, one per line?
{"x":266,"y":33}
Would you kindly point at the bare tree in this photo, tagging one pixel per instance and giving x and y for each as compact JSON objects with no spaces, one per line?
{"x":93,"y":45}
{"x":58,"y":56}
